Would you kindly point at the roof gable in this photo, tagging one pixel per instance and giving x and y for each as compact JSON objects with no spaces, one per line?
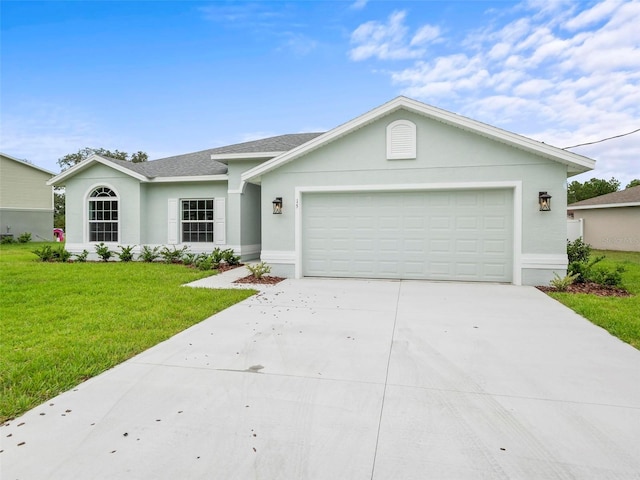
{"x":127,"y":168}
{"x":574,"y":162}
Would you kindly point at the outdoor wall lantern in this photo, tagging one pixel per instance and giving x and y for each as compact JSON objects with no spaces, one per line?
{"x":544,"y":199}
{"x":277,"y":206}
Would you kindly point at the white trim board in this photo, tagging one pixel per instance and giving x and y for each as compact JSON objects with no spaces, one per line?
{"x":604,"y":205}
{"x":516,"y":186}
{"x":544,"y":260}
{"x":287,"y":257}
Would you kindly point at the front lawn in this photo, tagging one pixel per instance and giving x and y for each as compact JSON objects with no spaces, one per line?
{"x":619,"y":316}
{"x":64,"y":323}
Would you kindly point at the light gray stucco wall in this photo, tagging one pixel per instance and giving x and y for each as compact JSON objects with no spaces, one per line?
{"x":244,"y":227}
{"x":77,"y":190}
{"x":445,"y":154}
{"x":155,"y":206}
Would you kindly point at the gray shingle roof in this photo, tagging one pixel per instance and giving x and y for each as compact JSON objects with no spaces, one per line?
{"x":200,"y":163}
{"x":630,"y":195}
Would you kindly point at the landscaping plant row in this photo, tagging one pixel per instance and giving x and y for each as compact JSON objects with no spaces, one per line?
{"x":202,"y":261}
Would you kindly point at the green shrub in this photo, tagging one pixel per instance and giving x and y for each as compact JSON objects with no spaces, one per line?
{"x":258,"y":270}
{"x":611,"y":278}
{"x":7,"y":240}
{"x":60,"y":254}
{"x":103,"y":252}
{"x":189,"y":258}
{"x":45,"y":254}
{"x":82,"y":257}
{"x":173,"y":256}
{"x":149,"y":254}
{"x":230,"y":258}
{"x":216,"y":257}
{"x":126,"y":253}
{"x":48,"y":254}
{"x":205,"y":263}
{"x":24,"y":238}
{"x":578,"y":251}
{"x":562,"y":283}
{"x":582,"y":269}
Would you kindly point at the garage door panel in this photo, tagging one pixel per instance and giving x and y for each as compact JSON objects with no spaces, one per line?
{"x":467,"y":246}
{"x":444,"y":235}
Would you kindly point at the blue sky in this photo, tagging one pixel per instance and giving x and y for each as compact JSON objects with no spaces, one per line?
{"x":171,"y":77}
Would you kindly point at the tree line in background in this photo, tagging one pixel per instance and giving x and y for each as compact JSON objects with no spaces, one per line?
{"x":595,"y":187}
{"x":576,"y":191}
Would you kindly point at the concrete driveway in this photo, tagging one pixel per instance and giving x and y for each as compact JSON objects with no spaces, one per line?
{"x":349,"y":379}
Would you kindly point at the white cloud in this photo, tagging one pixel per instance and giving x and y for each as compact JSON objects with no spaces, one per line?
{"x":359,"y":4}
{"x":390,"y":41}
{"x":425,"y":34}
{"x":596,"y":14}
{"x":560,"y":72}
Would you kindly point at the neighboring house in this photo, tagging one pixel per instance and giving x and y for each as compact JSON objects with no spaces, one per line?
{"x":404,"y":191}
{"x":26,"y":200}
{"x":611,"y":221}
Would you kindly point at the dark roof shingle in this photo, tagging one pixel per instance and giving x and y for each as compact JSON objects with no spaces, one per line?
{"x":200,"y":163}
{"x":630,"y":195}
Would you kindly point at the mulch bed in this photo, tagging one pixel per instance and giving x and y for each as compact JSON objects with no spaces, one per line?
{"x":591,"y":288}
{"x":266,"y":280}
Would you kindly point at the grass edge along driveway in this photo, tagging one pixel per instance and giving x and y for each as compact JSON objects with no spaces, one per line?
{"x":64,"y":323}
{"x":619,"y":316}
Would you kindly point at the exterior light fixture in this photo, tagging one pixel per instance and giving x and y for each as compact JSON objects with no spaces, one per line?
{"x":277,"y":206}
{"x":544,"y":199}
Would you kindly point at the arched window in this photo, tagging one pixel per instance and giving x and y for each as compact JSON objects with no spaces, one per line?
{"x":103,"y":215}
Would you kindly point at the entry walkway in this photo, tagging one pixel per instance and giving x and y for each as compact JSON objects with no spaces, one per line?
{"x":348,"y":379}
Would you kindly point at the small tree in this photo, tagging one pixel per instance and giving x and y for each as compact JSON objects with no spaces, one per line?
{"x":72,"y":159}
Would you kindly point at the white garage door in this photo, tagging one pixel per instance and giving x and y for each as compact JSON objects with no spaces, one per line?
{"x":437,"y":235}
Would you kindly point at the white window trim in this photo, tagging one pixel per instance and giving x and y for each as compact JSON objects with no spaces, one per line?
{"x":181,"y":222}
{"x":516,"y":186}
{"x":219,"y":222}
{"x":85,"y":216}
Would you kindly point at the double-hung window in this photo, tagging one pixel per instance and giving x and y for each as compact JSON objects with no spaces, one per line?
{"x":103,"y":215}
{"x":197,"y":220}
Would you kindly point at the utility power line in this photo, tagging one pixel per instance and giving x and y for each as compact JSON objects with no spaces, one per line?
{"x":603,"y":140}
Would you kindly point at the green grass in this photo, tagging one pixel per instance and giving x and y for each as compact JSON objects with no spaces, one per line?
{"x":619,"y":316}
{"x":64,"y":323}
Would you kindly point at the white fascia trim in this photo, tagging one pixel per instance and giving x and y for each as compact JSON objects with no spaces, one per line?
{"x":517,"y":210}
{"x":279,"y":256}
{"x":243,"y":156}
{"x":90,"y":161}
{"x":578,"y":162}
{"x":604,"y":205}
{"x":196,"y":178}
{"x":544,"y":261}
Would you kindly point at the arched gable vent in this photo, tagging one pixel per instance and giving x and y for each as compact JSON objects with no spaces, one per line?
{"x":401,"y":140}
